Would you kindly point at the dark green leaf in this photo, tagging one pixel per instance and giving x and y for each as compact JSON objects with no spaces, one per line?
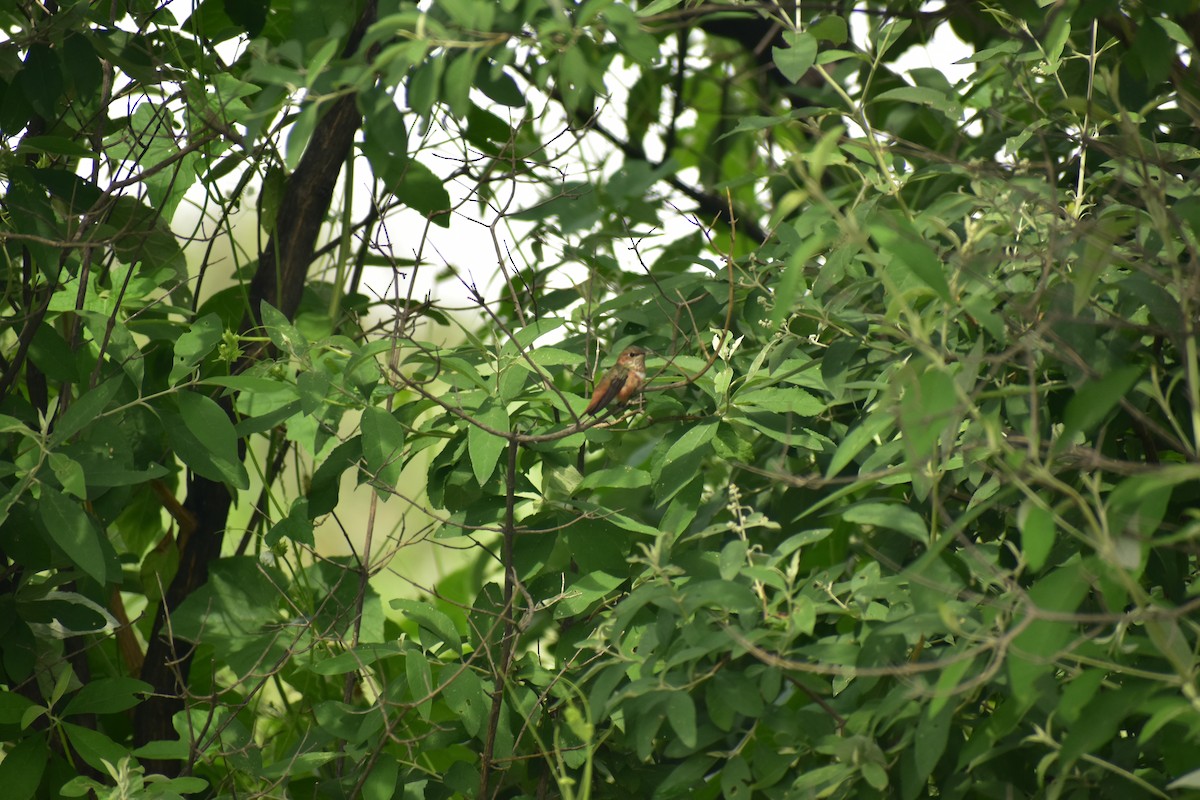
{"x":892,"y":516}
{"x":42,"y":80}
{"x":76,"y":534}
{"x":1094,"y":400}
{"x":204,"y":439}
{"x":296,"y":526}
{"x":22,"y":767}
{"x":250,"y":14}
{"x":85,"y":410}
{"x":421,"y":190}
{"x":108,"y":696}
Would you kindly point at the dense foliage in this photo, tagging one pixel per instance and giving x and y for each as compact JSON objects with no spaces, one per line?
{"x":907,"y":507}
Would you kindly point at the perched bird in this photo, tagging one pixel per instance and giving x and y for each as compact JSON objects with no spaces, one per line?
{"x":621,"y":382}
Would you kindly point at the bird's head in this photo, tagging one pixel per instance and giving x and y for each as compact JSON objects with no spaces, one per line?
{"x":631,"y":357}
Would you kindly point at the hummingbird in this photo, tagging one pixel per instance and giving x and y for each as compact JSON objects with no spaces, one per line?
{"x":622,"y":381}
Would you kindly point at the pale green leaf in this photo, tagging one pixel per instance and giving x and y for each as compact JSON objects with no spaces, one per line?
{"x":382,"y":447}
{"x":798,"y":57}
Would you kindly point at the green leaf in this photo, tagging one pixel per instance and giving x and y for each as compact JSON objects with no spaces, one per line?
{"x":623,"y":477}
{"x":73,"y":614}
{"x":733,"y":558}
{"x":466,"y":698}
{"x":194,"y":344}
{"x":1101,"y":720}
{"x":1033,"y":651}
{"x":891,"y":516}
{"x":69,"y":474}
{"x":727,"y":596}
{"x":1092,"y":403}
{"x":694,"y":439}
{"x":933,"y":731}
{"x":176,"y":750}
{"x":347,"y":722}
{"x":926,"y":411}
{"x":41,"y":79}
{"x":1056,"y":39}
{"x":49,"y":352}
{"x":736,"y":779}
{"x":946,"y":688}
{"x":296,"y":526}
{"x":798,"y":57}
{"x":254,"y":384}
{"x":657,"y":7}
{"x":270,"y":197}
{"x":93,"y":746}
{"x":55,"y":145}
{"x":362,"y":656}
{"x":82,"y":67}
{"x":897,"y":238}
{"x":300,"y":133}
{"x":314,"y":389}
{"x":256,"y":422}
{"x":751,"y":123}
{"x":421,"y":190}
{"x":681,"y":713}
{"x":22,"y":768}
{"x":420,"y":681}
{"x":483,"y":446}
{"x":382,"y":448}
{"x":84,"y":410}
{"x":431,"y":620}
{"x":385,"y":134}
{"x":456,"y":82}
{"x":858,"y":438}
{"x":782,"y":401}
{"x":239,"y":599}
{"x":251,"y":15}
{"x":830,"y":29}
{"x":679,"y":466}
{"x":923,"y":95}
{"x":13,"y":707}
{"x":325,"y":487}
{"x":574,"y":77}
{"x":204,"y":439}
{"x":499,"y":86}
{"x":1037,"y":533}
{"x":804,"y":615}
{"x":791,"y":282}
{"x":108,"y":696}
{"x":75,"y":533}
{"x":584,"y":592}
{"x":727,"y":696}
{"x":383,"y":780}
{"x":282,"y":332}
